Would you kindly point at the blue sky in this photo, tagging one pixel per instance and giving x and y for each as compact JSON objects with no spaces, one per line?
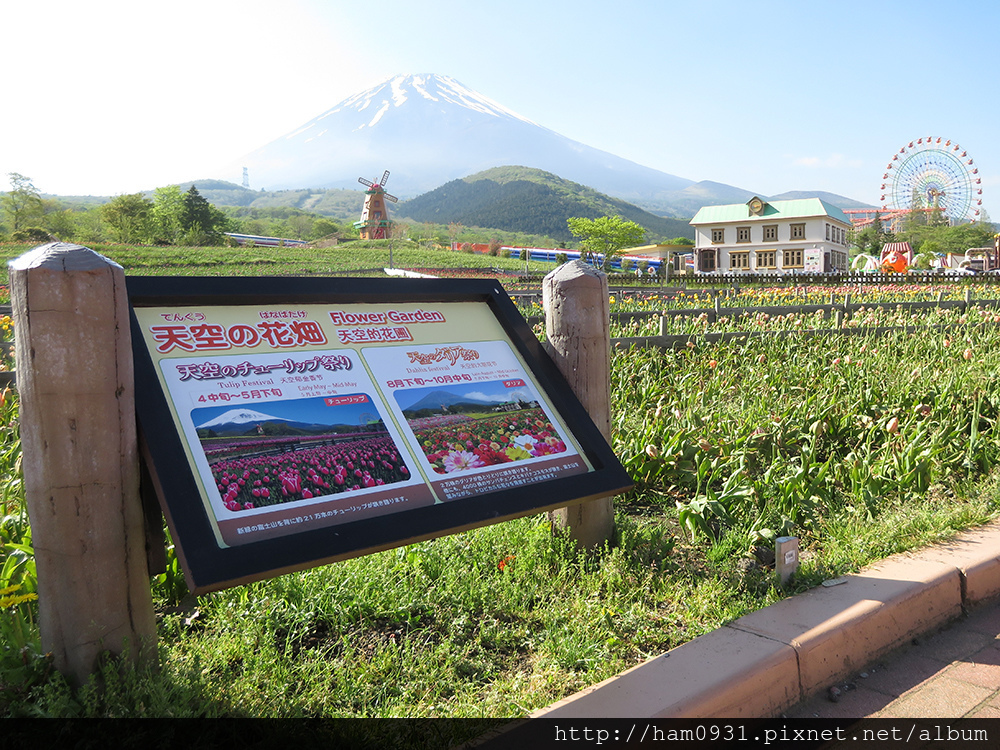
{"x":115,"y":96}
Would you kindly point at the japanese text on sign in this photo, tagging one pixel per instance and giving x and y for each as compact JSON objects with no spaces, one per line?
{"x":216,"y":337}
{"x":215,"y":371}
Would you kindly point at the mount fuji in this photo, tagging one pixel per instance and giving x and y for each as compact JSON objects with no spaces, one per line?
{"x":428,"y":130}
{"x":241,"y":417}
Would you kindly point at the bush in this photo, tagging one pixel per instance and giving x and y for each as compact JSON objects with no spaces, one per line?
{"x":561,"y":258}
{"x":198,"y":238}
{"x":626,"y":265}
{"x":31,"y":234}
{"x":467,"y":248}
{"x":505,"y":252}
{"x":524,"y":254}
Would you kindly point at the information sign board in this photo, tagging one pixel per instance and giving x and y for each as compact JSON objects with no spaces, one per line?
{"x":292,"y":422}
{"x":813,"y":260}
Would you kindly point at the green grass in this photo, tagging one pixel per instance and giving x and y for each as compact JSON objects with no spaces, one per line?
{"x":506,"y":619}
{"x":286,"y":261}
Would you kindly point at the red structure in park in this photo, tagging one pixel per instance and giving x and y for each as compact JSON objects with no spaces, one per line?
{"x":374,"y":224}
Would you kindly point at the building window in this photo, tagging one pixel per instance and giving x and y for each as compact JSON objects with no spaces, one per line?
{"x":718,"y":236}
{"x":739,"y":261}
{"x":742,"y":234}
{"x":771,"y":233}
{"x":798,"y":231}
{"x":707,"y":259}
{"x":828,"y":231}
{"x":792,"y":258}
{"x":765,"y":259}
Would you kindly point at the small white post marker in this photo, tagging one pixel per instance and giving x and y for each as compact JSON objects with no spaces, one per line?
{"x":786,"y":557}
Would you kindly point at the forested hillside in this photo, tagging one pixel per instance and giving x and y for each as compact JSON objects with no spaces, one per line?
{"x":529,"y":200}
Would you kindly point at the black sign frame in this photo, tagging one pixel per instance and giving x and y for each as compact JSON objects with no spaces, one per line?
{"x":208,"y":566}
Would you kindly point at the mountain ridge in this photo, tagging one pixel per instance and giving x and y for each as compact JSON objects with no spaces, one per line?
{"x":525,"y":199}
{"x":408,"y":122}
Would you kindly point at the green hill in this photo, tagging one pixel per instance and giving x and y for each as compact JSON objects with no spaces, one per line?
{"x":529,"y":200}
{"x":342,"y":205}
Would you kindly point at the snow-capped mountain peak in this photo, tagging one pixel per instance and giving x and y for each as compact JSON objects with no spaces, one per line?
{"x":428,"y":129}
{"x":241,"y":416}
{"x":396,"y":91}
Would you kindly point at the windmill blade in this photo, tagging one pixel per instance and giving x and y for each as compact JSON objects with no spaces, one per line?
{"x":368,"y":183}
{"x":390,"y":198}
{"x":385,"y":177}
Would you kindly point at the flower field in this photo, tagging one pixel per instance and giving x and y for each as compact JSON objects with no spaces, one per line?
{"x":458,"y":443}
{"x":258,"y":481}
{"x":870,"y":317}
{"x":767,"y":436}
{"x":762,"y":296}
{"x":861,"y":446}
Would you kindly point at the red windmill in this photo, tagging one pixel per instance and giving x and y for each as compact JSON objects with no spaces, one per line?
{"x":374,"y":224}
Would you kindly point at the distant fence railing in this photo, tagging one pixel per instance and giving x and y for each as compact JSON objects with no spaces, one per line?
{"x":842,"y":312}
{"x":830,"y":279}
{"x":713,"y":314}
{"x":680,"y":341}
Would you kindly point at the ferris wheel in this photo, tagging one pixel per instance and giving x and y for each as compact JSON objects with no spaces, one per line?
{"x":933,"y":173}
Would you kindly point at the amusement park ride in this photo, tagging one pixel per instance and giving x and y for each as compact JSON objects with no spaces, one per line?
{"x":930,"y":174}
{"x":374,"y":224}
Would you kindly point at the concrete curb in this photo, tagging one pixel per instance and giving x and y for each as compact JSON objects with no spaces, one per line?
{"x":763,"y":663}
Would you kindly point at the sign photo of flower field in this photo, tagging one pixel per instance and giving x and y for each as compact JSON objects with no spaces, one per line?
{"x":477,"y":425}
{"x":288,"y":451}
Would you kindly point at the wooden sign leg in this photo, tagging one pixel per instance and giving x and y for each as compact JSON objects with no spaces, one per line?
{"x":80,"y":457}
{"x":578,"y":338}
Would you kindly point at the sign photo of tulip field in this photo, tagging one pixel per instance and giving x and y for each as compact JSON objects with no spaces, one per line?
{"x":285,"y":442}
{"x":286,"y":429}
{"x":259,"y":459}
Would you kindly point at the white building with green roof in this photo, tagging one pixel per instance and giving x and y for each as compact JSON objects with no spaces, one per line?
{"x":796,"y":236}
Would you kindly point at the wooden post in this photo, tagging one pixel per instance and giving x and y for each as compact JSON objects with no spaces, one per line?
{"x":80,"y":457}
{"x":578,"y":338}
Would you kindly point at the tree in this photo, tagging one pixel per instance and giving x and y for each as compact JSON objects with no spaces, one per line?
{"x":23,"y":204}
{"x":168,"y":209}
{"x":324,"y":227}
{"x":607,"y":236}
{"x":870,"y":239}
{"x":202,"y":221}
{"x":300,"y":225}
{"x":454,"y":229}
{"x":129,"y":216}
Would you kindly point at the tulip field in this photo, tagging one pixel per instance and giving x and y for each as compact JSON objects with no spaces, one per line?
{"x":260,"y":480}
{"x":767,"y":436}
{"x":860,"y":445}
